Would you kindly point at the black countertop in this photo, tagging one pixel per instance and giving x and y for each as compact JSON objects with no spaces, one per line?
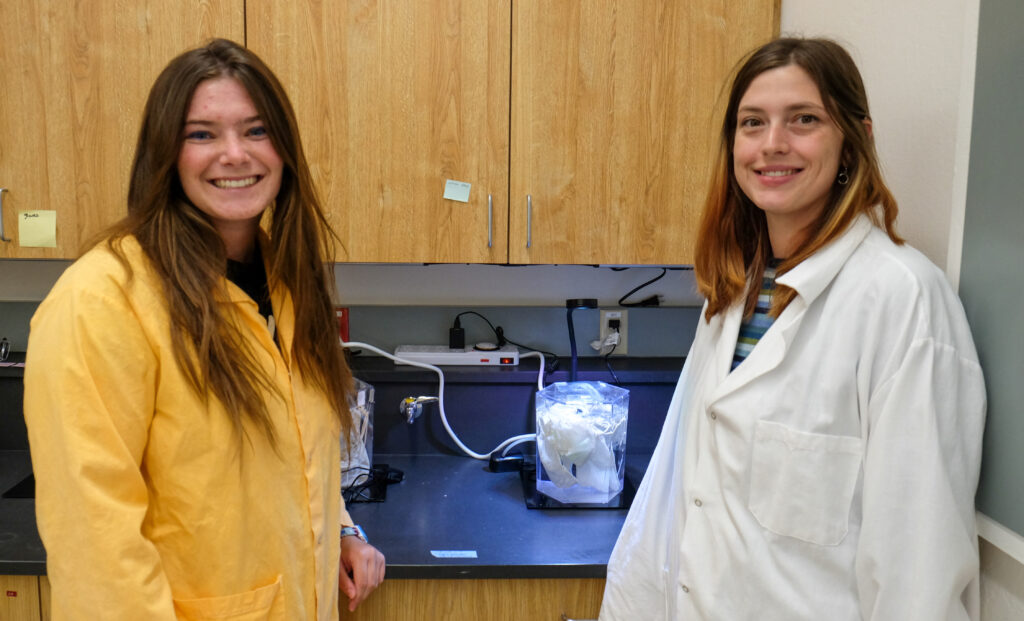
{"x":449,"y":506}
{"x":21,"y":551}
{"x":449,"y":518}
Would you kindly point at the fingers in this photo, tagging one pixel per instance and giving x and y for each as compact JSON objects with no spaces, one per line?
{"x":345,"y":582}
{"x":362,"y":570}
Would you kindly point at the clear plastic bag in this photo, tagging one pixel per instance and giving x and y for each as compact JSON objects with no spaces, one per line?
{"x":357,"y":451}
{"x":581,"y":441}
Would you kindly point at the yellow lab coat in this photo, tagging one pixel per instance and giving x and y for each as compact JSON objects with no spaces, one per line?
{"x":148,"y":506}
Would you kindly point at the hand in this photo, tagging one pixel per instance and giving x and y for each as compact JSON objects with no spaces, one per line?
{"x":362,"y":570}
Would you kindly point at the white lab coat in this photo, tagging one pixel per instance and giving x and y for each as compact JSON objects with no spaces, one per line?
{"x":832,"y":474}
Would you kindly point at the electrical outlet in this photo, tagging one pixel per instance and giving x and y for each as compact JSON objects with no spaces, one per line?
{"x":607,"y":316}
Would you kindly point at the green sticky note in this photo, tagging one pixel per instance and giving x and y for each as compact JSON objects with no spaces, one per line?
{"x":37,"y":229}
{"x":457,"y":190}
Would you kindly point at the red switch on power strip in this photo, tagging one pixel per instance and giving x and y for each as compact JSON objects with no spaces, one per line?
{"x":342,"y":314}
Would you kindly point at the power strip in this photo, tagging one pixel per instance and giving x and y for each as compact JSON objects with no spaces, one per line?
{"x":441,"y":355}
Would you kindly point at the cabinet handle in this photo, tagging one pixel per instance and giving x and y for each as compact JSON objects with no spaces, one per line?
{"x":2,"y":236}
{"x":529,"y":219}
{"x":490,"y":221}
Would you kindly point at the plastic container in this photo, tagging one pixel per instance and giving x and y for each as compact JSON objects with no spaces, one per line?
{"x":581,"y":441}
{"x":357,"y":456}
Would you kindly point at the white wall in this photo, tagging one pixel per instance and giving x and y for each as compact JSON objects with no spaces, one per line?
{"x":917,"y":59}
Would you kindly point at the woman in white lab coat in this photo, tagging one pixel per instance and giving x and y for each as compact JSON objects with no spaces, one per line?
{"x":821,"y":452}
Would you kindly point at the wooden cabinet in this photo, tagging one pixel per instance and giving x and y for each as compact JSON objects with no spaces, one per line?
{"x":612,"y":112}
{"x":595,"y":114}
{"x":27,"y":598}
{"x":473,"y":600}
{"x":393,"y":100}
{"x":44,"y":599}
{"x":20,"y":598}
{"x":75,"y":78}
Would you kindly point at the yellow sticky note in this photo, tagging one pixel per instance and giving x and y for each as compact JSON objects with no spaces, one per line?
{"x":38,"y":228}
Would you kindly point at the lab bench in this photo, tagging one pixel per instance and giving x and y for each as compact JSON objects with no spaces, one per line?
{"x":453,"y":532}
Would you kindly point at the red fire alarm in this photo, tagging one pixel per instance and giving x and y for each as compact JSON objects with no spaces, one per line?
{"x":342,"y":313}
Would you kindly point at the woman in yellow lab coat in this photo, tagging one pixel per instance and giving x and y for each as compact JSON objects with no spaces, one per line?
{"x":821,"y":452}
{"x":185,"y":386}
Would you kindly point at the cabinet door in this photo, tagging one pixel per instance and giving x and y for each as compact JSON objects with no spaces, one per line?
{"x":44,"y":599}
{"x":75,"y":77}
{"x":612,"y":107}
{"x":472,"y":600}
{"x":20,"y":598}
{"x":393,"y":100}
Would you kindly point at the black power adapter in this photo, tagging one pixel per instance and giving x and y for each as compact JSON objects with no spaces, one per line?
{"x":511,"y":463}
{"x":456,"y":337}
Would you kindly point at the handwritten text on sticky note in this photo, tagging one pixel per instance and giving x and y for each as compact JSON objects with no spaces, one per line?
{"x":37,"y":229}
{"x":457,"y":190}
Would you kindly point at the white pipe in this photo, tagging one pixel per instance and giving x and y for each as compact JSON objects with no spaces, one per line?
{"x":440,"y":397}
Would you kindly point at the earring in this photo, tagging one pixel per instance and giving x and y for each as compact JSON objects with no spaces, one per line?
{"x":843,"y":177}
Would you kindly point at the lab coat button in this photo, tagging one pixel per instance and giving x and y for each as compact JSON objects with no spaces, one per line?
{"x":686,"y":589}
{"x":714,"y":416}
{"x":698,"y":502}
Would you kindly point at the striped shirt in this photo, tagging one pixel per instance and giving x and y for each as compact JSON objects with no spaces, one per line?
{"x":752,"y":329}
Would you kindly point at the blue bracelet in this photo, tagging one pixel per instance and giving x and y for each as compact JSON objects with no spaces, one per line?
{"x":354,"y":531}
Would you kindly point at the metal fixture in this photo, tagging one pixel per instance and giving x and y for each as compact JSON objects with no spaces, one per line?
{"x":412,"y":407}
{"x":2,"y":236}
{"x":529,"y":218}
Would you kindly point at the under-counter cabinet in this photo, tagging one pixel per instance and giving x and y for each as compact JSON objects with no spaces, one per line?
{"x":584,"y":128}
{"x":75,"y":78}
{"x":27,"y":598}
{"x":20,"y":599}
{"x":473,"y":600}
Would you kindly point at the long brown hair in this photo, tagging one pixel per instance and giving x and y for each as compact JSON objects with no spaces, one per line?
{"x":189,"y":256}
{"x":732,"y":243}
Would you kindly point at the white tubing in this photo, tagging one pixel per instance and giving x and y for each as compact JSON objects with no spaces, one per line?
{"x":440,"y":397}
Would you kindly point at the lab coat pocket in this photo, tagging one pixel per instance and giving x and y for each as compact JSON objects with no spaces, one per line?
{"x":802,"y":484}
{"x":248,"y":606}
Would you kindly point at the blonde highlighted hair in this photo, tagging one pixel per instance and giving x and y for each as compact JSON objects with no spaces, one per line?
{"x":732,"y":247}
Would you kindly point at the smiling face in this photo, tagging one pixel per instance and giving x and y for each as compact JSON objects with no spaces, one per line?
{"x":227,"y":164}
{"x":786,"y":152}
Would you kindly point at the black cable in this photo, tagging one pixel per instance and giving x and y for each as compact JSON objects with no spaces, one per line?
{"x":607,"y":363}
{"x":499,"y":336}
{"x":650,"y":301}
{"x":370,"y":485}
{"x":456,"y":323}
{"x":361,"y":488}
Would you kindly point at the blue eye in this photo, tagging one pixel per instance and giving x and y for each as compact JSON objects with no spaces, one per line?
{"x":199,"y":134}
{"x":258,"y":131}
